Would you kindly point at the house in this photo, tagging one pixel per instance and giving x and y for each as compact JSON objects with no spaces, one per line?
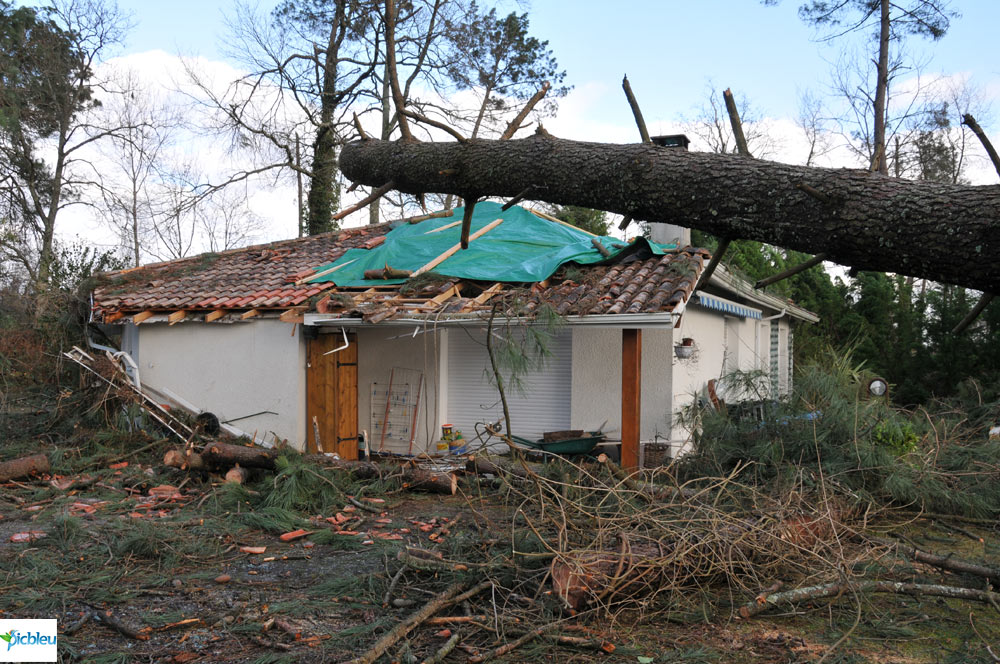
{"x":315,"y":339}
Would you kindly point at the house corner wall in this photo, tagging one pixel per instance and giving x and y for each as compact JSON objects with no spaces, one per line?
{"x":237,"y":371}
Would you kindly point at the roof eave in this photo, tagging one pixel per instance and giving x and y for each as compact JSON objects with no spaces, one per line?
{"x":723,"y":279}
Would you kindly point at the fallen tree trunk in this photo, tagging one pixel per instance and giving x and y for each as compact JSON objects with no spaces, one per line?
{"x":864,"y":220}
{"x":24,"y":466}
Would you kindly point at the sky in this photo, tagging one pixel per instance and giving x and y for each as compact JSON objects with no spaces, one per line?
{"x":674,"y":53}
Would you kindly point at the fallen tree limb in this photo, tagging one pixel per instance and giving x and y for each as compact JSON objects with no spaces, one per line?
{"x":453,"y":595}
{"x":482,"y":466}
{"x":109,"y":619}
{"x":516,"y":643}
{"x":761,"y":603}
{"x":432,"y":561}
{"x":24,"y":466}
{"x":870,"y":222}
{"x":948,"y":562}
{"x":444,"y":650}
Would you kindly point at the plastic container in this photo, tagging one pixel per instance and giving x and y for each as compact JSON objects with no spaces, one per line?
{"x":457,"y":446}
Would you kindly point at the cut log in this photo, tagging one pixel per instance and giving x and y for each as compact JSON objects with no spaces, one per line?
{"x":419,"y":479}
{"x":24,"y":466}
{"x":189,"y":460}
{"x":871,"y":222}
{"x":224,"y":455}
{"x":237,"y":475}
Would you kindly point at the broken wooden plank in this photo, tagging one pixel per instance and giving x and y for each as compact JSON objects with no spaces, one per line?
{"x":549,"y":217}
{"x":446,"y":255}
{"x":141,"y":316}
{"x":447,"y":295}
{"x":444,"y":228}
{"x":324,"y":272}
{"x":176,"y":317}
{"x":214,"y":315}
{"x":112,"y":317}
{"x":488,"y":293}
{"x":293,"y":315}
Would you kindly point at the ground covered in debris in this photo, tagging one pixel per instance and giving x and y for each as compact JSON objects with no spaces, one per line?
{"x":570,"y":561}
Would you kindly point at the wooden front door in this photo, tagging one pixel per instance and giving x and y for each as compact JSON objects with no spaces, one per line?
{"x":332,"y":395}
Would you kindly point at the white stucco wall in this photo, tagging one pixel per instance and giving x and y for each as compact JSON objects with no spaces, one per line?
{"x":232,"y":370}
{"x":597,"y":381}
{"x":723,"y":343}
{"x":378,"y":354}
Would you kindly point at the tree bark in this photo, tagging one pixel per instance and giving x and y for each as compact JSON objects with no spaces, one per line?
{"x":11,"y":470}
{"x":324,"y":194}
{"x":945,"y":232}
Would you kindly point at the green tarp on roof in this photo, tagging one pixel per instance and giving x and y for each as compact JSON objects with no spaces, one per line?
{"x":523,"y":248}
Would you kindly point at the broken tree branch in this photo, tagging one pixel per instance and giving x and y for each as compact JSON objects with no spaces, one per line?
{"x":790,"y":272}
{"x":453,"y":595}
{"x":434,"y":123}
{"x":636,"y":112}
{"x":758,"y":605}
{"x":736,"y":123}
{"x":713,"y":263}
{"x":971,"y":123}
{"x":984,"y":301}
{"x":947,"y":562}
{"x":374,"y":196}
{"x":515,"y":124}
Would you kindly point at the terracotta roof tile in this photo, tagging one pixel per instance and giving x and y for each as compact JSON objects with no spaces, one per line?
{"x":231,"y":278}
{"x":263,"y":276}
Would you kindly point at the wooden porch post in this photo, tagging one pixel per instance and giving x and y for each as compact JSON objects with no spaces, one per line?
{"x":631,"y":396}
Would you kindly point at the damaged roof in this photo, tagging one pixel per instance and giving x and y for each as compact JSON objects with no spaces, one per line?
{"x":290,"y":277}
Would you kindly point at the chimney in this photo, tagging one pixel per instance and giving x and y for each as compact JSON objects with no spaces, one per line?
{"x":670,"y":233}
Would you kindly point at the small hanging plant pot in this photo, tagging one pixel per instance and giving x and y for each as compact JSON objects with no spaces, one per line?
{"x":685,"y":349}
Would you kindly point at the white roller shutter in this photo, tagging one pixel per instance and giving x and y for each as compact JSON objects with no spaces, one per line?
{"x":543,"y":405}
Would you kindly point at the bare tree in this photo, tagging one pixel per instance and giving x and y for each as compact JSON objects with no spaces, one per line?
{"x":130,"y":186}
{"x":813,"y":123}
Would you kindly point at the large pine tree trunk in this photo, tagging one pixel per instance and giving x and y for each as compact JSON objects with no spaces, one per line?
{"x":944,"y":232}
